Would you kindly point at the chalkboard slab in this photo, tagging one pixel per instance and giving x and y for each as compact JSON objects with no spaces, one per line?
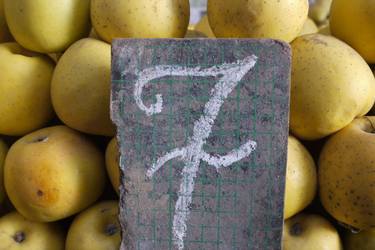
{"x":203,"y":127}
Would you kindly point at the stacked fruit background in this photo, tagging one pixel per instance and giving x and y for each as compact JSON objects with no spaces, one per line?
{"x":59,"y":173}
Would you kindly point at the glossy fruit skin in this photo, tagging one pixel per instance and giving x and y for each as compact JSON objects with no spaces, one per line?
{"x":331,"y":85}
{"x":96,"y":228}
{"x":353,"y":22}
{"x":346,"y":182}
{"x":310,"y":232}
{"x":19,"y":233}
{"x":112,"y":157}
{"x":81,"y":87}
{"x":140,"y":18}
{"x":48,"y":26}
{"x":301,"y":178}
{"x":53,"y":173}
{"x":3,"y":153}
{"x":25,"y":83}
{"x":277,"y":19}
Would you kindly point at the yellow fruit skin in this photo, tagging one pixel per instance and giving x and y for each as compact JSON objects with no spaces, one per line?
{"x":25,"y":82}
{"x":47,"y":26}
{"x":112,"y":156}
{"x":331,"y":85}
{"x":53,"y":173}
{"x":310,"y":232}
{"x":354,"y":22}
{"x":140,"y":18}
{"x":38,"y":236}
{"x":203,"y":26}
{"x":5,"y":35}
{"x":81,"y":87}
{"x":364,"y":240}
{"x":309,"y":27}
{"x":3,"y":153}
{"x":301,"y":178}
{"x":88,"y":230}
{"x":319,"y":11}
{"x":346,"y":179}
{"x":277,"y":19}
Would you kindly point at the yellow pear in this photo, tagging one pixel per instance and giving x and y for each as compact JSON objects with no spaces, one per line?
{"x":53,"y":173}
{"x":203,"y":26}
{"x":5,"y":35}
{"x":354,"y":23}
{"x":309,"y":27}
{"x":3,"y":153}
{"x":310,"y":232}
{"x":277,"y":19}
{"x":25,"y":82}
{"x":364,"y":240}
{"x":331,"y":85}
{"x":140,"y":18}
{"x":81,"y":87}
{"x":301,"y":178}
{"x":96,"y":228}
{"x":112,"y":156}
{"x":19,"y":233}
{"x":319,"y":10}
{"x":346,"y":179}
{"x":47,"y":26}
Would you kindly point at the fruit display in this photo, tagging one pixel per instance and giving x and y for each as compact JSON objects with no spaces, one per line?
{"x":59,"y":154}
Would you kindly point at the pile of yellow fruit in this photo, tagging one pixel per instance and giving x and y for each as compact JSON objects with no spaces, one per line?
{"x":59,"y":155}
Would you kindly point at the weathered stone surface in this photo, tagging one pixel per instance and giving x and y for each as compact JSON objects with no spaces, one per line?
{"x":239,"y":206}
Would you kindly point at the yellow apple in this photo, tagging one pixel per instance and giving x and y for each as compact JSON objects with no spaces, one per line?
{"x":310,"y":232}
{"x":319,"y":10}
{"x":53,"y":173}
{"x":3,"y":153}
{"x":364,"y":240}
{"x":346,"y":179}
{"x":96,"y":228}
{"x":47,"y":26}
{"x":19,"y":233}
{"x":203,"y":26}
{"x":25,"y":82}
{"x":277,"y":19}
{"x":112,"y":156}
{"x":81,"y":87}
{"x":309,"y":27}
{"x":331,"y":85}
{"x":140,"y":18}
{"x":5,"y":35}
{"x":354,"y":23}
{"x":301,"y":178}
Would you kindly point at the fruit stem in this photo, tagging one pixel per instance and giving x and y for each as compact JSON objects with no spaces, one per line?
{"x":19,"y":237}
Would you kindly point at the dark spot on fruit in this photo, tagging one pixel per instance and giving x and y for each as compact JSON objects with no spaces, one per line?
{"x":296,"y":229}
{"x":104,"y":210}
{"x":111,"y":229}
{"x":19,"y":237}
{"x":40,"y":139}
{"x":40,"y":193}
